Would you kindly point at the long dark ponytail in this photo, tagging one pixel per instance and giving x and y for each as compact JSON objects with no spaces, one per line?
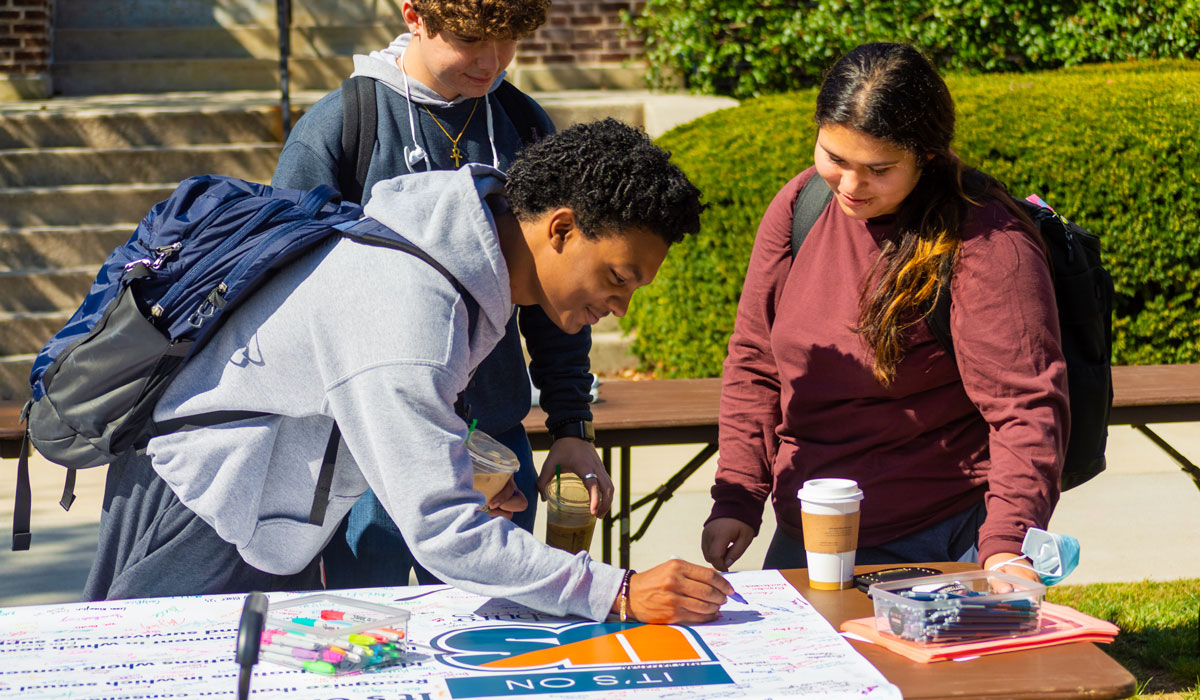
{"x":893,"y":93}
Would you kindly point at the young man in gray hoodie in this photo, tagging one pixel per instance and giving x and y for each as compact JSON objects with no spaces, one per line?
{"x":381,"y":343}
{"x":436,"y":90}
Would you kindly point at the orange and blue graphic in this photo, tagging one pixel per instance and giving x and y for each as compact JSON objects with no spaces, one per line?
{"x":579,"y":657}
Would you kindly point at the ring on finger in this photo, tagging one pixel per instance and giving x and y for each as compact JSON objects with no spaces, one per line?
{"x":590,"y":475}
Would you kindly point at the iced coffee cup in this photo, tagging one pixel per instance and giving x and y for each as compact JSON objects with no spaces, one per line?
{"x":829,"y":515}
{"x":494,"y":464}
{"x":569,"y":520}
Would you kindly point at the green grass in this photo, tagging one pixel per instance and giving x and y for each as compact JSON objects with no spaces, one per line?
{"x":1159,"y":641}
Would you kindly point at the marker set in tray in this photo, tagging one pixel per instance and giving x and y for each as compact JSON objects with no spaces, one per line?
{"x":332,"y":635}
{"x":954,"y":608}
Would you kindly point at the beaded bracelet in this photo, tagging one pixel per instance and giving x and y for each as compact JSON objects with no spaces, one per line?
{"x":623,"y":594}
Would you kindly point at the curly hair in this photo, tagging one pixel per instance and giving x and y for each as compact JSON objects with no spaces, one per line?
{"x":611,"y":175}
{"x":483,"y":19}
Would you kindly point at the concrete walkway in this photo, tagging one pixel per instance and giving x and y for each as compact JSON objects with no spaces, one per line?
{"x":1135,"y":522}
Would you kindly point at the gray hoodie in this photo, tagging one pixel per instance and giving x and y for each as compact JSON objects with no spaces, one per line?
{"x":313,"y":156}
{"x":379,"y":341}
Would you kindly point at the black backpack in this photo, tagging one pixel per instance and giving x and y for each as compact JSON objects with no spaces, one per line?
{"x":360,"y":121}
{"x":1083,"y":292}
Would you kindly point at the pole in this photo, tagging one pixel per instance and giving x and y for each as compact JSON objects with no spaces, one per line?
{"x":284,"y":14}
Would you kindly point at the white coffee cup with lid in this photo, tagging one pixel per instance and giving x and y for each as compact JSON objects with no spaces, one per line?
{"x":829,"y":510}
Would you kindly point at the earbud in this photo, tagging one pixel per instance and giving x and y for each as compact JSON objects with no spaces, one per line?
{"x":414,"y":156}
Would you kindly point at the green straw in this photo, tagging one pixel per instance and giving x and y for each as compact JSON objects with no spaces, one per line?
{"x":471,"y":427}
{"x":558,"y":480}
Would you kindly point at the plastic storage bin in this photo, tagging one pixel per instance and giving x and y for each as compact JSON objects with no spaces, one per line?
{"x":953,"y":608}
{"x":333,"y":635}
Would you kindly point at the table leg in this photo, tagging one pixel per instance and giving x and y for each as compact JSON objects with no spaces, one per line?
{"x":606,"y":526}
{"x":1188,"y":468}
{"x":626,"y":487}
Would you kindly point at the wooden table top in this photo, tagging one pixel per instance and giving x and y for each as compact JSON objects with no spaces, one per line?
{"x":1079,"y":670}
{"x":689,"y":407}
{"x":685,"y":410}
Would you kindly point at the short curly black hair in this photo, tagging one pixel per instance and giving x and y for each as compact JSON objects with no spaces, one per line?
{"x":611,"y":175}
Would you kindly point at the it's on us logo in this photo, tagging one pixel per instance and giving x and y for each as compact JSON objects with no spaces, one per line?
{"x":513,"y":660}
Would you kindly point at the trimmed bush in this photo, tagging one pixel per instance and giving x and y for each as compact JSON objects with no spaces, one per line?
{"x":1111,"y":147}
{"x":745,"y":48}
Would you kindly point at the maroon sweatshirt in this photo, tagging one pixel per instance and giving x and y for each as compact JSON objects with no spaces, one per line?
{"x":799,"y":400}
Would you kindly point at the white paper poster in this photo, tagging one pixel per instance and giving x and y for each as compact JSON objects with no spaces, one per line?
{"x":462,"y":646}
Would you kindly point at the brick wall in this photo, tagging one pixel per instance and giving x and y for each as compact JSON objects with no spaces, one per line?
{"x":582,"y":32}
{"x":24,"y":37}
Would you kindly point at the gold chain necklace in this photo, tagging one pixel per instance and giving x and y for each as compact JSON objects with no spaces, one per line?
{"x":454,"y":152}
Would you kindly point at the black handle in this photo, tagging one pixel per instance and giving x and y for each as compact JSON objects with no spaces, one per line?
{"x":254,"y":614}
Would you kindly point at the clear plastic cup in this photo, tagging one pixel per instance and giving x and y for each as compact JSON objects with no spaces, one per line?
{"x":569,"y":520}
{"x":494,"y":464}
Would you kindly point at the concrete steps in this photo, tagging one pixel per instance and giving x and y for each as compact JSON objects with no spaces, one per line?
{"x":31,"y":207}
{"x":46,"y":167}
{"x":45,"y":291}
{"x":57,"y":247}
{"x":150,"y":46}
{"x":179,"y":43}
{"x":203,"y":74}
{"x":207,"y":13}
{"x":118,"y":121}
{"x":26,"y":333}
{"x":78,"y":173}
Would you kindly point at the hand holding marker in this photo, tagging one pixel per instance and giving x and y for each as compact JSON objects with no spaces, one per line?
{"x":735,"y":596}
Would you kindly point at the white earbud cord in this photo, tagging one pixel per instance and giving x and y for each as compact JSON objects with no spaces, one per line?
{"x":487,"y":103}
{"x":418,"y":154}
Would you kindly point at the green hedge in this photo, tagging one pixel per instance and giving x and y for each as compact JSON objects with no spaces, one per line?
{"x":1112,"y":147}
{"x":753,"y":47}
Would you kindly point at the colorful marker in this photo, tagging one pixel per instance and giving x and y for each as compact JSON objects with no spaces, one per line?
{"x":305,"y":654}
{"x":350,"y":656}
{"x":386,"y":634}
{"x":318,"y":624}
{"x":288,"y":640}
{"x":322,"y":667}
{"x":347,"y":617}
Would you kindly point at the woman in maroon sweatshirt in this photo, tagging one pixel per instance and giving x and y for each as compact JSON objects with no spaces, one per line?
{"x":832,"y":371}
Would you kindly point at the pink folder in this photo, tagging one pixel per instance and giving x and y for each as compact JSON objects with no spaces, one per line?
{"x":1060,"y":625}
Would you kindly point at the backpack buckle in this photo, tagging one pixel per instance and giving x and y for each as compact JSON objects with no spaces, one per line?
{"x":211,"y":304}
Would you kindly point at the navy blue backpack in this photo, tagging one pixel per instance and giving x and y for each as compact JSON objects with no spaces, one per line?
{"x":156,"y":301}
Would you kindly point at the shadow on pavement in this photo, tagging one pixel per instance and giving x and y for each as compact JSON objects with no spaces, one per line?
{"x":54,"y":568}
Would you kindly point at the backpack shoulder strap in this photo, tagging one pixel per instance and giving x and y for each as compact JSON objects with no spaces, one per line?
{"x":814,"y":196}
{"x":359,"y":123}
{"x":519,"y":108}
{"x":938,"y":320}
{"x":374,"y":233}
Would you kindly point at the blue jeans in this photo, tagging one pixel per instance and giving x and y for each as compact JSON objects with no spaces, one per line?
{"x":953,"y":539}
{"x":368,"y":550}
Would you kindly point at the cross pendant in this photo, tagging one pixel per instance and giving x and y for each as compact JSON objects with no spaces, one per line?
{"x":456,"y":155}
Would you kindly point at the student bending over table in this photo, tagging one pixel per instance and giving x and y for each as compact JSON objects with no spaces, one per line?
{"x":381,"y":343}
{"x":440,"y":102}
{"x":832,"y":371}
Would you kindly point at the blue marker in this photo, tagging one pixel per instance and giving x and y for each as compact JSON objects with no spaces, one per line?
{"x":735,"y":596}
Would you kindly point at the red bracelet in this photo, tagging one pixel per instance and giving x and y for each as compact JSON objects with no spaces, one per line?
{"x":626,"y":606}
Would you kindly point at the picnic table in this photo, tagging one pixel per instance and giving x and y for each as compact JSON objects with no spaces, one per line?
{"x":684,"y":411}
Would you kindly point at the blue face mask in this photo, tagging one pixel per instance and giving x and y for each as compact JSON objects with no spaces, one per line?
{"x":1053,"y":556}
